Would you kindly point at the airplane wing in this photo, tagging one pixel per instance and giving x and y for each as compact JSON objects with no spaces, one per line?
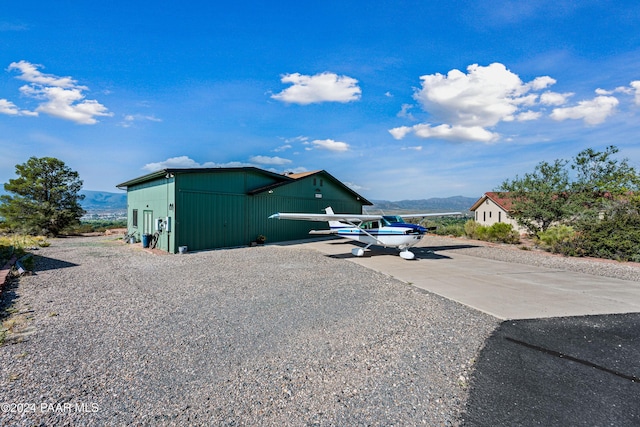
{"x":348,"y":218}
{"x":429,"y":214}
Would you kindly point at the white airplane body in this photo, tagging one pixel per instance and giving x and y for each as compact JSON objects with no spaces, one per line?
{"x":380,"y":230}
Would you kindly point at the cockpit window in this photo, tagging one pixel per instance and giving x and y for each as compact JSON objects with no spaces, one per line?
{"x":392,"y":219}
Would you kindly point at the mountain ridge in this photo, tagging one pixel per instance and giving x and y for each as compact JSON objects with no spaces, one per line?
{"x":433,"y":204}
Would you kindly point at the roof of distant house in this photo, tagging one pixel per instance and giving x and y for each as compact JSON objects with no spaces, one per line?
{"x":503,"y":202}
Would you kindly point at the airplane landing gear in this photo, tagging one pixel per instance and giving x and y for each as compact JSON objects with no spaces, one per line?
{"x":357,"y":251}
{"x":407,"y":254}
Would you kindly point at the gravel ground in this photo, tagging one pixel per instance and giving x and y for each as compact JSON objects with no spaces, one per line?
{"x":106,"y":334}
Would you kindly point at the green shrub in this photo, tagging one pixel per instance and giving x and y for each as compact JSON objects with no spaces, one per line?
{"x":471,"y":229}
{"x":616,"y":236}
{"x":501,"y":232}
{"x":558,"y":239}
{"x":456,"y":230}
{"x":498,"y":232}
{"x":476,"y":231}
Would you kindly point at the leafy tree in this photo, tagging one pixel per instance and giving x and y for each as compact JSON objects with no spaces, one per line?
{"x":616,"y":235}
{"x":549,"y":196}
{"x":539,"y":199}
{"x":45,"y":197}
{"x":600,"y":182}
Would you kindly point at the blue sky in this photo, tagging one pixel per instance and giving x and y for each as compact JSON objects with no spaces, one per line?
{"x":400,"y":100}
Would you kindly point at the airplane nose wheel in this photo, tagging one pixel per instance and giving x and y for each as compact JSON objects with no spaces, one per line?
{"x":407,"y":254}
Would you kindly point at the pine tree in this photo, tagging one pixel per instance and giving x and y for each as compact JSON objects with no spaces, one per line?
{"x":44,"y":197}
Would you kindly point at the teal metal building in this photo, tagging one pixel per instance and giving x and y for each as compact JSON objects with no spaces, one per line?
{"x":209,"y":208}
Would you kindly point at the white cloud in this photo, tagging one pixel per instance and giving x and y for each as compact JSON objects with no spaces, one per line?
{"x":130,"y":119}
{"x":272,"y":161}
{"x":540,"y":83}
{"x":330,"y":144}
{"x":299,"y":169}
{"x":528,"y":115}
{"x":554,"y":98}
{"x":414,"y":148}
{"x":9,"y":108}
{"x":448,"y":132}
{"x":173,"y":162}
{"x":404,"y":111}
{"x":468,"y":103}
{"x":283,"y":148}
{"x":355,"y":187}
{"x":68,"y":104}
{"x":185,"y":162}
{"x":593,"y":112}
{"x":400,"y":132}
{"x":299,"y":138}
{"x":636,"y":86}
{"x":59,"y":97}
{"x":323,"y":87}
{"x":483,"y":97}
{"x":31,"y":74}
{"x":619,"y":89}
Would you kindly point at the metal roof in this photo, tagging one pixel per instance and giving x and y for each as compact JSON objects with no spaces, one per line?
{"x":163,"y":173}
{"x":280,"y":178}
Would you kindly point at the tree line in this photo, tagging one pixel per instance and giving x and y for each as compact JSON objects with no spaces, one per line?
{"x":586,"y":206}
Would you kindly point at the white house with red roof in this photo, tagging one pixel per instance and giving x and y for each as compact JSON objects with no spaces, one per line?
{"x":491,"y":209}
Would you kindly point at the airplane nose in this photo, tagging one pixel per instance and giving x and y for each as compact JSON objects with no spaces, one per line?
{"x":416,"y":229}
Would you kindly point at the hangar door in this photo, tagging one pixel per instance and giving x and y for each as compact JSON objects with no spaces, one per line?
{"x":211,"y":220}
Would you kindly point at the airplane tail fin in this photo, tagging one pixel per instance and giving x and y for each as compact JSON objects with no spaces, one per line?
{"x":333,"y":225}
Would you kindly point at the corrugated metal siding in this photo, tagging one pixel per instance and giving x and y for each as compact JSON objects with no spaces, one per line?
{"x":225,"y":181}
{"x":210,"y":220}
{"x":298,"y":196}
{"x":213,"y":209}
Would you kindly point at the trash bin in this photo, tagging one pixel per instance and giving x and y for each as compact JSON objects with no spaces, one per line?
{"x":145,"y":240}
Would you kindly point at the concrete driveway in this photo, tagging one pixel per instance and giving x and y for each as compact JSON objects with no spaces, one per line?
{"x":567,"y":352}
{"x":503,"y":289}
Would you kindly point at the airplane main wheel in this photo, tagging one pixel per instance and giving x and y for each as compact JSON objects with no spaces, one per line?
{"x":357,"y":252}
{"x":407,"y":254}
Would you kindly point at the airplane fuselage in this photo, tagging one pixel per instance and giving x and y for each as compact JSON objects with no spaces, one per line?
{"x":387,"y":236}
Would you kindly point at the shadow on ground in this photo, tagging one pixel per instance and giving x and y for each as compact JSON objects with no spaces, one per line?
{"x":422,"y":252}
{"x":44,"y":263}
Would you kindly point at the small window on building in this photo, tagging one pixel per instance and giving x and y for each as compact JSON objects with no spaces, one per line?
{"x":484,"y":215}
{"x":499,"y":216}
{"x":489,"y":214}
{"x":134,"y":218}
{"x":314,"y":182}
{"x":320,"y":182}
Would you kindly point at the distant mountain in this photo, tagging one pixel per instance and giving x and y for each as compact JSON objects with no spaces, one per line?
{"x":103,"y":201}
{"x":435,"y":204}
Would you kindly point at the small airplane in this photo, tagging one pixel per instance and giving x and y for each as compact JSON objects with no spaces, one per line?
{"x":380,"y":230}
